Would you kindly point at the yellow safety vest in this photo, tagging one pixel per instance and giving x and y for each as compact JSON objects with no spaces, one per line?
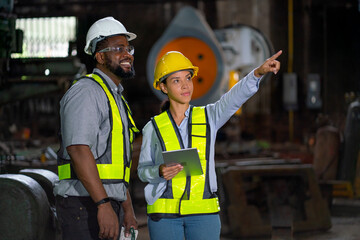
{"x":185,"y":195}
{"x":118,"y":168}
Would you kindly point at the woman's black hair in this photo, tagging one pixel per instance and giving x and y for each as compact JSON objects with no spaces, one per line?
{"x":165,"y":105}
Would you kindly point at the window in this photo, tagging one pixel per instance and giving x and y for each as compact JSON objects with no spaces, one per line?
{"x":46,"y":37}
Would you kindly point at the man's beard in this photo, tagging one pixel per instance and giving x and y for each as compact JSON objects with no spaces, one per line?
{"x":118,"y":70}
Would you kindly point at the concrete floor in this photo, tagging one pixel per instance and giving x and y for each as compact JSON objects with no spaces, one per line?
{"x":345,"y":218}
{"x":343,"y":228}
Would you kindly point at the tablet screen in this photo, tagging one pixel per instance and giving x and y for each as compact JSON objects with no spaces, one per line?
{"x":188,"y":158}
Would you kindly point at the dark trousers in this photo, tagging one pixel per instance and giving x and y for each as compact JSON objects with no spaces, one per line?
{"x":78,"y":217}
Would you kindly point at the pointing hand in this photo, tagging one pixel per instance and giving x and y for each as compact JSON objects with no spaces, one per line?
{"x":270,"y":65}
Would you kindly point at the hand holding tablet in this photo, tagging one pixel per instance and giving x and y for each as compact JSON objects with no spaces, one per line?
{"x":188,"y":158}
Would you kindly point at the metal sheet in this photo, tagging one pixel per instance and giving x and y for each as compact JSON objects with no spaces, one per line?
{"x":24,"y":208}
{"x":46,"y":179}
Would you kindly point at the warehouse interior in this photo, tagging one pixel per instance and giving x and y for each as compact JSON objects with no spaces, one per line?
{"x":288,"y":162}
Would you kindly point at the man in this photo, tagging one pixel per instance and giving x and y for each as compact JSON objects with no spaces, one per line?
{"x":97,"y":131}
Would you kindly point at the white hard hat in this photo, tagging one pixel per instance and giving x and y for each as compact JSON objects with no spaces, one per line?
{"x":102,"y":29}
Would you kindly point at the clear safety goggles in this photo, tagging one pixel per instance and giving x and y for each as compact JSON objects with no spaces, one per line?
{"x":129,"y":49}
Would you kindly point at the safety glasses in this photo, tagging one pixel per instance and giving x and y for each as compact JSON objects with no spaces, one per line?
{"x":129,"y":49}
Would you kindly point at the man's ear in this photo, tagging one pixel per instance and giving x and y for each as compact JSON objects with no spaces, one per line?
{"x":99,"y":58}
{"x":163,"y":88}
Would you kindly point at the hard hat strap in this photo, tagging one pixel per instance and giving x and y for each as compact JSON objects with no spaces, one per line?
{"x":94,"y":42}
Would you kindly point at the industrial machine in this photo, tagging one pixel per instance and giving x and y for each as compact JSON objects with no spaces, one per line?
{"x":27,"y":203}
{"x":264,"y":197}
{"x":30,"y":89}
{"x":37,"y":66}
{"x":10,"y":38}
{"x":218,"y":53}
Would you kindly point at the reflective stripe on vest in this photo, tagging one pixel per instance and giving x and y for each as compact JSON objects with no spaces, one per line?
{"x":117,"y":169}
{"x":185,"y":200}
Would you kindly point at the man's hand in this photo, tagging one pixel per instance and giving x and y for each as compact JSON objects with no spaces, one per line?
{"x":169,"y":171}
{"x":129,"y":215}
{"x":270,"y":65}
{"x":108,"y":222}
{"x":129,"y":222}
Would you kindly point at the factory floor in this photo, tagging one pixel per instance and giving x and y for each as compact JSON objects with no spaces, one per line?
{"x":345,"y":219}
{"x":345,"y":213}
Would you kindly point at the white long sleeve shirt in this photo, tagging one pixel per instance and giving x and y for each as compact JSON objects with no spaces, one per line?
{"x":218,"y":114}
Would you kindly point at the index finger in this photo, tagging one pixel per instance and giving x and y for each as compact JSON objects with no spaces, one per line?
{"x":276,"y":55}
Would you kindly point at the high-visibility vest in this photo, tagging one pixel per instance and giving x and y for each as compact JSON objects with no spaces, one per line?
{"x":185,"y":195}
{"x":114,"y":168}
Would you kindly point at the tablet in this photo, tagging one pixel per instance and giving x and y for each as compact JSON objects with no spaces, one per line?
{"x":188,"y":158}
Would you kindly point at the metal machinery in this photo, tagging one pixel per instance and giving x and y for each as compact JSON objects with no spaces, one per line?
{"x":270,"y":197}
{"x":30,"y":89}
{"x":257,"y":196}
{"x":27,"y":204}
{"x":31,"y":83}
{"x":10,"y":38}
{"x":349,"y":166}
{"x":218,"y":54}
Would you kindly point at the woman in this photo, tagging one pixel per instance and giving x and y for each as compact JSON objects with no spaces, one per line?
{"x":178,"y":206}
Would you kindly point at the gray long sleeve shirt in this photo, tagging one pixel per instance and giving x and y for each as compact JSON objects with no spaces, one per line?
{"x":218,"y":114}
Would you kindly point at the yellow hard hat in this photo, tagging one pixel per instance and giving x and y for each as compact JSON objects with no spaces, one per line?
{"x":171,"y":62}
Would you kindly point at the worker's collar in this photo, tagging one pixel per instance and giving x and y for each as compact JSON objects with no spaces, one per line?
{"x":187,"y":112}
{"x":117,"y":89}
